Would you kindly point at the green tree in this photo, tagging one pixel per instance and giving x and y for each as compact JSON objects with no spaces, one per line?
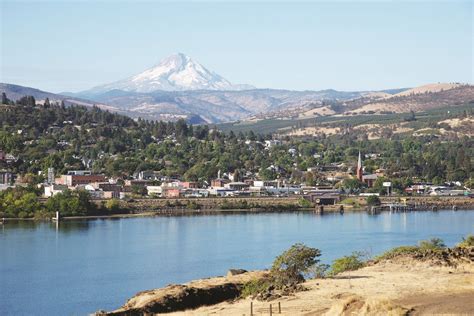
{"x":291,"y":265}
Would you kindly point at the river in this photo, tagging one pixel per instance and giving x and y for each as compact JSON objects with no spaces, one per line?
{"x":82,"y":266}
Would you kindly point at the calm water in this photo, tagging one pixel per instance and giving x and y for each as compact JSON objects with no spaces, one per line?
{"x":84,"y":266}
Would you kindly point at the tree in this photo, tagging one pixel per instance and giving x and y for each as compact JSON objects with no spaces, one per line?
{"x":292,"y":264}
{"x":5,"y":99}
{"x":352,"y":185}
{"x":373,"y":200}
{"x":47,"y":104}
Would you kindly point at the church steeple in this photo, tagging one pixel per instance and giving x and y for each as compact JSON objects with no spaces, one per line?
{"x":359,"y":168}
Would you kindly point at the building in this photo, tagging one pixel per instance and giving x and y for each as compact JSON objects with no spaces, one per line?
{"x":237,"y":186}
{"x":6,"y":177}
{"x":139,"y":183}
{"x":195,"y":193}
{"x":79,"y":172}
{"x":369,"y":179}
{"x":324,"y":198}
{"x":266,"y":184}
{"x":50,"y":176}
{"x":170,"y":192}
{"x":189,"y":185}
{"x":53,"y":189}
{"x":218,"y":191}
{"x":146,"y":175}
{"x":73,"y":180}
{"x":219,"y":183}
{"x":154,"y":190}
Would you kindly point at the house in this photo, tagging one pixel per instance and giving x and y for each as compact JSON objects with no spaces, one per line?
{"x":170,"y":192}
{"x":418,"y":188}
{"x":219,"y":183}
{"x":139,"y":183}
{"x":369,"y":179}
{"x":189,"y":185}
{"x":270,"y":143}
{"x":146,"y":175}
{"x":9,"y":158}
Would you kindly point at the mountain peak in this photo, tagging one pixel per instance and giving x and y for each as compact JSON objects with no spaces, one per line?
{"x":177,"y":72}
{"x":176,"y":59}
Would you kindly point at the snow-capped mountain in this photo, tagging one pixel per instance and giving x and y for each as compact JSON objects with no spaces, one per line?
{"x":177,"y":72}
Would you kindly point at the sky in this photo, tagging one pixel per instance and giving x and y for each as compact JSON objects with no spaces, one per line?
{"x":62,"y":46}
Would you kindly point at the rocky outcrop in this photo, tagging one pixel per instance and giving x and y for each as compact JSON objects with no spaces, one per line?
{"x":192,"y":295}
{"x":233,"y":272}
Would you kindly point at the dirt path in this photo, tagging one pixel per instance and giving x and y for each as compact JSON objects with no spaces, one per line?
{"x":459,"y":303}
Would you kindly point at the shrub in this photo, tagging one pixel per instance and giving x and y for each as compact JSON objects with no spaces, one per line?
{"x":192,"y":205}
{"x":467,"y":242}
{"x":291,"y":265}
{"x":432,"y":244}
{"x":302,"y":202}
{"x":373,"y":200}
{"x":395,"y":252}
{"x":350,"y":201}
{"x":112,"y":205}
{"x":347,"y":263}
{"x":254,"y":287}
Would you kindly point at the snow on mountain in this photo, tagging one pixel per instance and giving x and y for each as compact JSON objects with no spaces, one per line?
{"x":177,"y":72}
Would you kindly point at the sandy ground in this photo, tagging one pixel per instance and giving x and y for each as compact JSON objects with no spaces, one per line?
{"x":384,"y":289}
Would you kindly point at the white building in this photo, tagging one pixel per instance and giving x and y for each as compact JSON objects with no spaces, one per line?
{"x":53,"y":189}
{"x":155,"y":190}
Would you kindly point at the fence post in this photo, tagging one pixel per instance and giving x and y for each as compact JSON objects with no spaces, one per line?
{"x":251,"y":308}
{"x":279,"y":308}
{"x":270,"y":309}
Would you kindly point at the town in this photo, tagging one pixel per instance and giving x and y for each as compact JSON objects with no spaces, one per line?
{"x":340,"y":179}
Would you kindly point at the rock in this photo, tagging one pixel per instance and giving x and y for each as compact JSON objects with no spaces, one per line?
{"x":233,"y":272}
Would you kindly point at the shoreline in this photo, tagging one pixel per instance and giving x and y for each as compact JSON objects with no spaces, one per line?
{"x":218,"y":206}
{"x":178,"y":213}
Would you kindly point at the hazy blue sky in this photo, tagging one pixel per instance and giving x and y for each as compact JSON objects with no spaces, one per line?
{"x":59,"y":46}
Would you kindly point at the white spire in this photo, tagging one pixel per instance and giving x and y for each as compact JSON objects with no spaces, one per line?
{"x":359,"y":163}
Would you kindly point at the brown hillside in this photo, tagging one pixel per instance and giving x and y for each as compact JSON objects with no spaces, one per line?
{"x":415,"y":102}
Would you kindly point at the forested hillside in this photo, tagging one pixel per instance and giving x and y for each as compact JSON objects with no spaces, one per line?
{"x":68,"y":138}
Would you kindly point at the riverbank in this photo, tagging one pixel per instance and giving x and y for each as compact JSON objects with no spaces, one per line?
{"x":399,"y":286}
{"x":287,"y":203}
{"x":253,"y":205}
